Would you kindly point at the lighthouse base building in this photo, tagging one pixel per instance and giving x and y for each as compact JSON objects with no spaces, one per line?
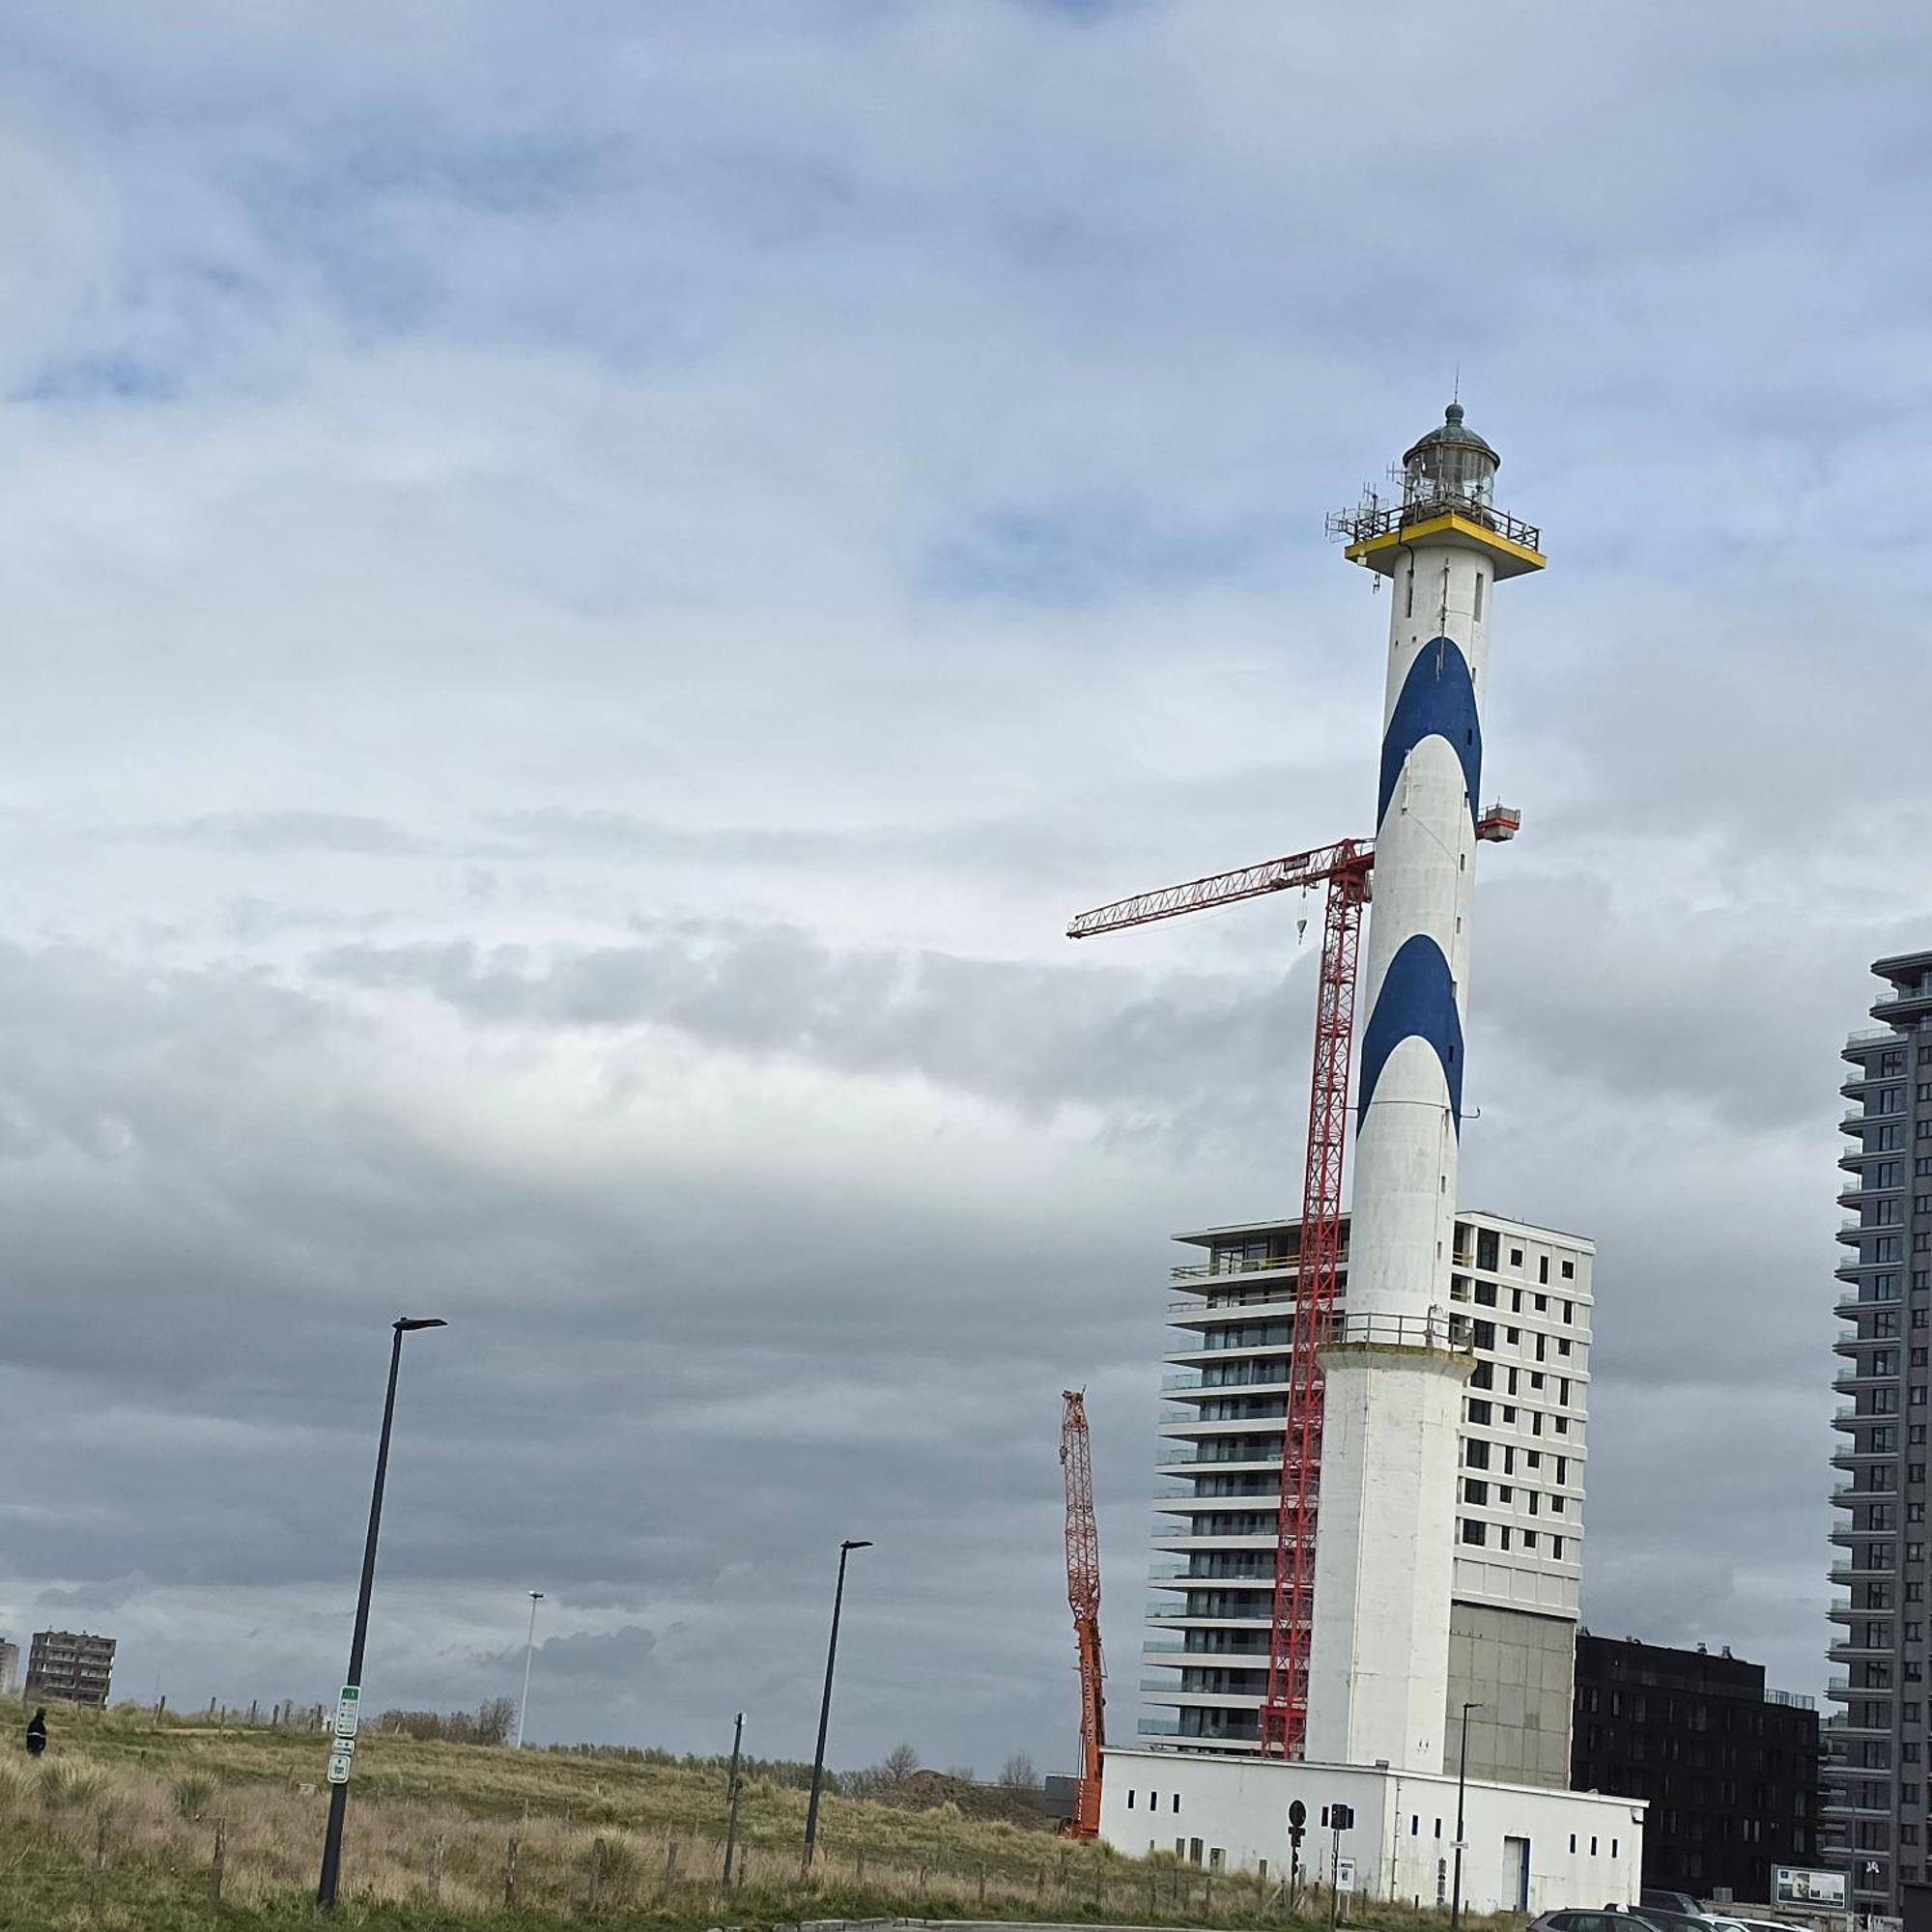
{"x":1528,"y":1848}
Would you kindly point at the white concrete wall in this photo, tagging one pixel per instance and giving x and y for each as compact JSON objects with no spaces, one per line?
{"x":1378,"y":1664}
{"x":1404,"y":1825}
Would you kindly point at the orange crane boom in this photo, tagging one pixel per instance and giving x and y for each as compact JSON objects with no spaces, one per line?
{"x":1082,"y":1596}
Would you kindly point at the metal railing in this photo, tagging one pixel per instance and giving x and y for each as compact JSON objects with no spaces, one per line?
{"x":1233,"y":1265}
{"x":1439,"y":1328}
{"x":1378,"y":520}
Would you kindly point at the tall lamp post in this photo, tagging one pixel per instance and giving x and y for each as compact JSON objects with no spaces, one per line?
{"x":845,"y":1550}
{"x":1462,"y":1781}
{"x":338,"y":1790}
{"x":529,"y":1656}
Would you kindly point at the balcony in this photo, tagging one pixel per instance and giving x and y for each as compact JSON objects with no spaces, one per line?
{"x":1225,"y":1268}
{"x":1903,"y":1004}
{"x":1159,"y":1727}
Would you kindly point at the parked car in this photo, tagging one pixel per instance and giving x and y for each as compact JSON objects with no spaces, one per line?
{"x":1611,"y":1919}
{"x":1671,"y":1901}
{"x":1668,"y":1918}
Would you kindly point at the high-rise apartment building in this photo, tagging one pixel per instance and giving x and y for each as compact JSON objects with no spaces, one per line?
{"x":1526,"y":1297}
{"x":1875,"y":1816}
{"x":72,"y":1665}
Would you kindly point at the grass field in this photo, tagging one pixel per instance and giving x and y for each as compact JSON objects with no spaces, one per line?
{"x":132,"y":1823}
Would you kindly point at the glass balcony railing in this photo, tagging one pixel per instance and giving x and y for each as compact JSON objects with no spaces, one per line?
{"x":1160,"y":1728}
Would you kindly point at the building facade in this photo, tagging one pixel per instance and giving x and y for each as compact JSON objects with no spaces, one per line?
{"x":1729,"y":1769}
{"x":1875,"y":1817}
{"x":1526,"y":1294}
{"x":9,"y":1666}
{"x":71,"y":1664}
{"x":1528,"y":1848}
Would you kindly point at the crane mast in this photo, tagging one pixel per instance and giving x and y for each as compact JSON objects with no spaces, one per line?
{"x":1082,"y":1596}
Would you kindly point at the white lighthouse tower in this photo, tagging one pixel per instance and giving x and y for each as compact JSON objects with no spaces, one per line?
{"x":1395,"y":1367}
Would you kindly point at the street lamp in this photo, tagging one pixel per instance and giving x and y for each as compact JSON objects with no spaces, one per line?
{"x":845,"y":1550}
{"x":530,"y":1655}
{"x":1461,"y":1780}
{"x":338,"y":1790}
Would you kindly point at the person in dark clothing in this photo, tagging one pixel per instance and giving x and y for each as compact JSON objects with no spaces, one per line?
{"x":36,"y":1733}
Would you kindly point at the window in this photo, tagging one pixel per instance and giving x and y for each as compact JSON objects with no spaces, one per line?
{"x":1515,"y":1301}
{"x":1512,"y":1336}
{"x":1502,"y":1536}
{"x":1130,"y":1800}
{"x":1572,"y":1842}
{"x":1177,"y":1801}
{"x":1513,"y":1381}
{"x":1486,"y":1334}
{"x":1541,"y":1274}
{"x":1529,"y":1538}
{"x":1516,"y":1254}
{"x":1476,"y":1454}
{"x":1479,"y":1410}
{"x":1478,"y":611}
{"x":1486,"y":1293}
{"x":1569,"y":1274}
{"x":1563,"y":1345}
{"x":1474,"y":1531}
{"x":1475,"y":1490}
{"x":1557,"y":1548}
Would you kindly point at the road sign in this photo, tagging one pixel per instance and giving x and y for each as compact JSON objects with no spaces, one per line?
{"x":349,"y":1711}
{"x":1344,"y":1874}
{"x":1298,"y":1814}
{"x":340,"y":1759}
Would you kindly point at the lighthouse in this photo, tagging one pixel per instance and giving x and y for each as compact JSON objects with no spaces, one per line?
{"x":1396,"y":1363}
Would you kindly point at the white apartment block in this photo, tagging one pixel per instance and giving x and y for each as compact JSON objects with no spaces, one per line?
{"x":1526,"y":1291}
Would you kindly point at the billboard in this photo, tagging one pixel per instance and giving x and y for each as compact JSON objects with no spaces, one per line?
{"x":1794,"y":1884}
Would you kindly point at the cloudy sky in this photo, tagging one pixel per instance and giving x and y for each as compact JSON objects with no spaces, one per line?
{"x":586,"y":586}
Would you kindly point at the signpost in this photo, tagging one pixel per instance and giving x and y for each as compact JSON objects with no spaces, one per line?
{"x":348,"y":1719}
{"x":1339,"y":1818}
{"x":1297,"y":1822}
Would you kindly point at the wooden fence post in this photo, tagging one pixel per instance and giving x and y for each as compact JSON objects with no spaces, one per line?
{"x":1207,"y":1895}
{"x":982,"y":1883}
{"x":97,"y":1890}
{"x":510,"y":1875}
{"x":218,"y":1864}
{"x":859,"y":1867}
{"x":671,"y":1864}
{"x":436,"y":1845}
{"x":598,"y":1852}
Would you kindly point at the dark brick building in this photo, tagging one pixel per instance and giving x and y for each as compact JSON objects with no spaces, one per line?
{"x":1730,"y":1769}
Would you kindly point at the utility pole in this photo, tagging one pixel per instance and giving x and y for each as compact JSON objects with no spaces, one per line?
{"x":845,"y":1550}
{"x":348,"y":1708}
{"x":731,"y":1793}
{"x":1461,"y":1784}
{"x":530,"y":1655}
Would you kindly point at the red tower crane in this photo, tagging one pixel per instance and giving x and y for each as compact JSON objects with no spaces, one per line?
{"x":1344,"y":869}
{"x":1083,"y":1595}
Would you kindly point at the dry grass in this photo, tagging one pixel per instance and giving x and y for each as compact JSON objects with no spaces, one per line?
{"x":119,"y":1825}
